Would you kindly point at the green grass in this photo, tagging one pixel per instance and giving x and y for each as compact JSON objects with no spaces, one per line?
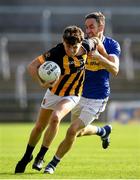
{"x":87,"y":160}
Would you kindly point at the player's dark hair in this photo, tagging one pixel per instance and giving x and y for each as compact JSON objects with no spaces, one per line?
{"x":98,"y":16}
{"x":73,"y":35}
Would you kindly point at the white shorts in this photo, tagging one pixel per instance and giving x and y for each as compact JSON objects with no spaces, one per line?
{"x":89,"y":109}
{"x":50,"y":100}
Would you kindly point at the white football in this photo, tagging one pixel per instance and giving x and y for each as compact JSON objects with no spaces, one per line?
{"x":49,"y":71}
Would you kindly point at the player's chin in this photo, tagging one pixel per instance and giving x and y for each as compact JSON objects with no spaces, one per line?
{"x":91,"y":36}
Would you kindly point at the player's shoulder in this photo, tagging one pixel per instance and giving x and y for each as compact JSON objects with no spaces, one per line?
{"x":110,"y":40}
{"x":55,"y":53}
{"x":111,"y":44}
{"x":59,"y":48}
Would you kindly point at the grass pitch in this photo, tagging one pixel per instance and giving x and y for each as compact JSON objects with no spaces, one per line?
{"x":87,"y":159}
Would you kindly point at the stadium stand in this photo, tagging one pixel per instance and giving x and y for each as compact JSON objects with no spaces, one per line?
{"x":28,"y":28}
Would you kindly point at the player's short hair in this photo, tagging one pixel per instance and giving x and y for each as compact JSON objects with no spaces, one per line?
{"x":98,"y":16}
{"x":73,"y":35}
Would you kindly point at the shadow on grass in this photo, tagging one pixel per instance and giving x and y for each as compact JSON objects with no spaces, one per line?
{"x":21,"y":174}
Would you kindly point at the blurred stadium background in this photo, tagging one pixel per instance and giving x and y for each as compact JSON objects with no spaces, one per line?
{"x":28,"y":28}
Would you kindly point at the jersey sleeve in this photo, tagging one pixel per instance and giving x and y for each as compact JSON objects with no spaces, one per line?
{"x":47,"y":56}
{"x":51,"y":55}
{"x":115,"y":48}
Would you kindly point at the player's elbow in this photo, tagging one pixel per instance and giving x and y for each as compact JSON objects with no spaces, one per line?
{"x":33,"y":67}
{"x":32,"y":70}
{"x":115,"y":71}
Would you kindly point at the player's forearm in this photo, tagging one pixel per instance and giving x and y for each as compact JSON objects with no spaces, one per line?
{"x":34,"y":74}
{"x":109,"y":65}
{"x":33,"y":71}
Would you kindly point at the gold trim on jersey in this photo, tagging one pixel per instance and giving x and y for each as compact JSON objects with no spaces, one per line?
{"x":84,"y":57}
{"x":54,"y":88}
{"x":66,"y":64}
{"x":76,"y":62}
{"x":71,"y":83}
{"x":67,"y":84}
{"x":93,"y":65}
{"x":41,"y":59}
{"x":76,"y":84}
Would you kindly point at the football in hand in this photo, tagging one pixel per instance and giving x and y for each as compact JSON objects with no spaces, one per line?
{"x":49,"y":71}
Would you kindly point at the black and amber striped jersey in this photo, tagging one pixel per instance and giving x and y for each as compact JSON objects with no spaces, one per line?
{"x":72,"y":69}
